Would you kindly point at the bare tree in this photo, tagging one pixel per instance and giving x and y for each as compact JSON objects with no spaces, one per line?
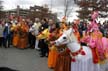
{"x":88,"y":6}
{"x":2,"y":13}
{"x":1,"y":7}
{"x":67,"y":8}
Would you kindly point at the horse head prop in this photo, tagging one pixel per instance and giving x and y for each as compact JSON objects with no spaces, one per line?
{"x":69,"y":39}
{"x":65,"y":37}
{"x":81,"y":55}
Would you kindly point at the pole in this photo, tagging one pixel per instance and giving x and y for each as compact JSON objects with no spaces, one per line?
{"x":51,"y":5}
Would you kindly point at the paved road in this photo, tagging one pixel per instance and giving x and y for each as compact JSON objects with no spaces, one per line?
{"x":23,"y":60}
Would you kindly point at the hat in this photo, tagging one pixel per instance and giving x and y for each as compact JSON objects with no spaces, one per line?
{"x":64,"y":19}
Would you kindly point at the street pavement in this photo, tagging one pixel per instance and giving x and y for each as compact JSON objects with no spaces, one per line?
{"x":23,"y":60}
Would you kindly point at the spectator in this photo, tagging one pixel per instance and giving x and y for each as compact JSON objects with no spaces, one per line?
{"x":6,"y":35}
{"x":33,"y":32}
{"x":42,"y":44}
{"x":1,"y":34}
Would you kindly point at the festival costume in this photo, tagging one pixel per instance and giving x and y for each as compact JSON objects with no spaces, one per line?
{"x":105,"y":43}
{"x":15,"y":35}
{"x":52,"y":57}
{"x":64,"y":60}
{"x":53,"y":53}
{"x":81,"y":55}
{"x":23,"y":40}
{"x":76,"y":32}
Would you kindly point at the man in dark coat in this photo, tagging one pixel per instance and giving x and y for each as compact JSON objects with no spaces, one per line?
{"x":7,"y":35}
{"x":42,"y":43}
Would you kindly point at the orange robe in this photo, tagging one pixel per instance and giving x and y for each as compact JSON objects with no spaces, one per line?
{"x":53,"y":53}
{"x":52,"y":57}
{"x":76,"y":32}
{"x":23,"y":41}
{"x":77,"y":35}
{"x":15,"y":40}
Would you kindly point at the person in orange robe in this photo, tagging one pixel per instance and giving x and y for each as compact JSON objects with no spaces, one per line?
{"x":23,"y":40}
{"x":63,"y":60}
{"x":53,"y":54}
{"x":49,"y":35}
{"x":76,"y":32}
{"x":52,"y":57}
{"x":15,"y":40}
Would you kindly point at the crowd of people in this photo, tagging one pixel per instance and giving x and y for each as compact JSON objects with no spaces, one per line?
{"x":22,"y":34}
{"x":25,"y":33}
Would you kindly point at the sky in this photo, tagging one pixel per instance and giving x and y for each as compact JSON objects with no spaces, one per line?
{"x":55,"y":5}
{"x":11,"y":4}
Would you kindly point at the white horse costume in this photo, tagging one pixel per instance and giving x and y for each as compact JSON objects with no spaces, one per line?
{"x":82,"y":62}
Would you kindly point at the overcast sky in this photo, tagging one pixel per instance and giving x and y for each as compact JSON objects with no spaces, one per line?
{"x":11,"y":4}
{"x":57,"y":5}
